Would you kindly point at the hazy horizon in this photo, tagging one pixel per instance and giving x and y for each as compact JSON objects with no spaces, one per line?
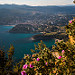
{"x":38,"y":3}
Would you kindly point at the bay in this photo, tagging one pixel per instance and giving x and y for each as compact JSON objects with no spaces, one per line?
{"x":21,"y":42}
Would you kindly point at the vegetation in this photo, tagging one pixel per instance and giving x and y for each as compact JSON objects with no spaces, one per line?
{"x":6,"y":62}
{"x":7,"y":65}
{"x":70,"y":29}
{"x":52,"y":35}
{"x":58,"y":61}
{"x":43,"y":61}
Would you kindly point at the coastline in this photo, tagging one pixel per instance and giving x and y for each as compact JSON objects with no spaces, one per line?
{"x":48,"y":37}
{"x":9,"y":25}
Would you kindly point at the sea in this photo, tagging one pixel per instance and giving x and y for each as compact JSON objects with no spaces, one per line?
{"x":21,"y":42}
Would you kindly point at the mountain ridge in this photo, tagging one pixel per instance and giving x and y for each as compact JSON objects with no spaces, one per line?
{"x":29,"y":9}
{"x":12,"y":13}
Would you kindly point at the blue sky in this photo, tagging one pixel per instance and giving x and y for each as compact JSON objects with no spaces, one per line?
{"x":37,"y":2}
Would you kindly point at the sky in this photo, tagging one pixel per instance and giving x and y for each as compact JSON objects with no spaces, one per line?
{"x":37,"y":2}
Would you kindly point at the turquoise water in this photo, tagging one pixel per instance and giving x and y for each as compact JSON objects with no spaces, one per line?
{"x":21,"y":42}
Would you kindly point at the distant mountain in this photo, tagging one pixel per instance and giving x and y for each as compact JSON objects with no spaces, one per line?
{"x":21,"y":10}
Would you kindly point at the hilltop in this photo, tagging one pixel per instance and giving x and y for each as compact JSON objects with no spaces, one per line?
{"x":21,"y":10}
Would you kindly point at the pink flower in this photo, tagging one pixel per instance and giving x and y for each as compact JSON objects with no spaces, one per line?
{"x":23,"y":73}
{"x":33,"y":58}
{"x":56,"y":74}
{"x":46,"y":63}
{"x":25,"y":66}
{"x":70,"y":21}
{"x":38,"y":59}
{"x":27,"y":55}
{"x":31,"y":66}
{"x":63,"y":51}
{"x":59,"y":57}
{"x":56,"y":40}
{"x":63,"y":60}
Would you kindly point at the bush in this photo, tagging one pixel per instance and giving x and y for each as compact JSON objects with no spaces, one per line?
{"x":70,"y":28}
{"x":6,"y":62}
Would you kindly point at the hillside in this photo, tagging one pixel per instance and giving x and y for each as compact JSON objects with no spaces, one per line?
{"x":24,"y":9}
{"x":12,"y":14}
{"x":23,"y":28}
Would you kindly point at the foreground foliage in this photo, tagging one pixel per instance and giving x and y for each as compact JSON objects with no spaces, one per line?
{"x":58,"y":61}
{"x":70,"y":28}
{"x":6,"y":61}
{"x":45,"y":63}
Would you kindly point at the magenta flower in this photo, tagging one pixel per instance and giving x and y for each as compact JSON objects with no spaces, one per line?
{"x":27,"y":55}
{"x":31,"y":66}
{"x":59,"y":57}
{"x":56,"y":40}
{"x":70,"y":21}
{"x":63,"y":51}
{"x":46,"y":63}
{"x":38,"y":59}
{"x":25,"y":66}
{"x":56,"y":74}
{"x":63,"y":60}
{"x":59,"y":40}
{"x":23,"y":73}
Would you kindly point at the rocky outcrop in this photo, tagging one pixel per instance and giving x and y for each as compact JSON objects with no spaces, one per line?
{"x":48,"y":37}
{"x":23,"y":28}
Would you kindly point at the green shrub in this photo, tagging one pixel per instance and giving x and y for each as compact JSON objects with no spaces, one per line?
{"x":6,"y":62}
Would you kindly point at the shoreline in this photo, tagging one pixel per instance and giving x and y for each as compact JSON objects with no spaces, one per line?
{"x":48,"y":37}
{"x":9,"y":25}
